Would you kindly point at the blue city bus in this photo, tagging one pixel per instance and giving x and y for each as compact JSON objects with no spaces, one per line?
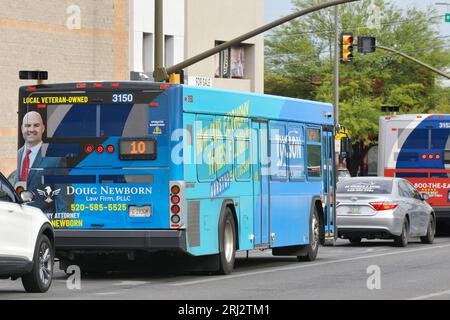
{"x":140,"y":167}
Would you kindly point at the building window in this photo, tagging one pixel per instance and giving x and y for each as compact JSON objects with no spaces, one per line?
{"x":147,"y":52}
{"x":231,"y":62}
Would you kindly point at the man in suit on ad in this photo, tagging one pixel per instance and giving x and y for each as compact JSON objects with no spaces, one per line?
{"x":31,"y":163}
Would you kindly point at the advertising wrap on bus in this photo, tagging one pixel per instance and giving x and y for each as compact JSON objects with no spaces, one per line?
{"x":68,"y":138}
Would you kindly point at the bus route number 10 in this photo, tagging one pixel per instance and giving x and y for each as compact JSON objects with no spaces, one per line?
{"x":138,"y":147}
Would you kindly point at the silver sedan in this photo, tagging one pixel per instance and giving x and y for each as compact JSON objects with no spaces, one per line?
{"x":383,"y":208}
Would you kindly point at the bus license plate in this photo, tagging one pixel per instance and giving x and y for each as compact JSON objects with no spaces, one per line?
{"x":139,"y":212}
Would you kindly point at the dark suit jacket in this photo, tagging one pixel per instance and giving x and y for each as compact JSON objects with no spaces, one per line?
{"x":36,"y":178}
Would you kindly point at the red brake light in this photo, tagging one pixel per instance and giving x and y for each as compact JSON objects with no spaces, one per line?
{"x":438,"y":156}
{"x":424,"y":156}
{"x":165,"y":86}
{"x":110,"y":148}
{"x":81,"y":85}
{"x":98,"y":85}
{"x":153,"y":104}
{"x":31,"y":89}
{"x":175,"y":199}
{"x":100,"y":149}
{"x":89,"y":148}
{"x":175,"y":209}
{"x":381,"y":206}
{"x":431,"y":156}
{"x":115,"y":85}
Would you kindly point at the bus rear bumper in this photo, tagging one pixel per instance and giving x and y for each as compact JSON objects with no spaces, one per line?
{"x":119,"y":240}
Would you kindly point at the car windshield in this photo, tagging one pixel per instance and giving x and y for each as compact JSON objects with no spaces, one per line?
{"x":365,"y":186}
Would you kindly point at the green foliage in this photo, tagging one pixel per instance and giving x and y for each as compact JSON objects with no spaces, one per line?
{"x":299,"y":63}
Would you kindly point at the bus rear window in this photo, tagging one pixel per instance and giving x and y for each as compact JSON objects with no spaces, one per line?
{"x":95,"y":120}
{"x":414,"y":139}
{"x":367,"y":186}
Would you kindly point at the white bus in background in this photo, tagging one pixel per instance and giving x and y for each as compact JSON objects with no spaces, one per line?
{"x":416,"y":147}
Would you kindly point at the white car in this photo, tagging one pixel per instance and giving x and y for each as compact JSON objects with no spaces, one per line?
{"x":26,"y":240}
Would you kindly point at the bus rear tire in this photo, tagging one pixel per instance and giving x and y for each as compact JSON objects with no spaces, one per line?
{"x":312,"y":248}
{"x":227,"y":243}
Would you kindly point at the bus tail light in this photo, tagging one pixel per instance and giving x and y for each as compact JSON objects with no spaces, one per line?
{"x":176,"y":204}
{"x":382,"y":206}
{"x":110,"y":148}
{"x":100,"y":149}
{"x":89,"y":148}
{"x":175,"y":209}
{"x":438,"y":156}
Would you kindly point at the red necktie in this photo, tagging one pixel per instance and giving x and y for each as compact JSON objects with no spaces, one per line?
{"x":25,"y":166}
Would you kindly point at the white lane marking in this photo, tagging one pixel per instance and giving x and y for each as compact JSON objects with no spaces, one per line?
{"x":240,"y":275}
{"x":130,"y":283}
{"x":428,"y":296}
{"x":107,"y":293}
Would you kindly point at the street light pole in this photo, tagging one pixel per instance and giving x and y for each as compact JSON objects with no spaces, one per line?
{"x":163,"y":73}
{"x":423,"y":64}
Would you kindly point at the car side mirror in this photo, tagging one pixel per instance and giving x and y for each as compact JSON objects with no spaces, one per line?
{"x":27,"y":196}
{"x":425,"y":196}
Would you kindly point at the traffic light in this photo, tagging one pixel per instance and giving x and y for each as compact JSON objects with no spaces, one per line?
{"x":347,"y":47}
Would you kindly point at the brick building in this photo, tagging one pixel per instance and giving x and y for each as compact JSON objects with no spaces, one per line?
{"x":71,"y":39}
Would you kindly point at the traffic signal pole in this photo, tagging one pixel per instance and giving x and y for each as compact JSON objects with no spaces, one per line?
{"x":336,"y":65}
{"x":423,"y":64}
{"x":162,"y":74}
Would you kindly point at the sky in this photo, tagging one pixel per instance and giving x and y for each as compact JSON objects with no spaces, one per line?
{"x":278,"y":8}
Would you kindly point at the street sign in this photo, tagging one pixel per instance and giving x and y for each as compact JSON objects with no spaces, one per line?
{"x":447,"y":17}
{"x":366,"y":45}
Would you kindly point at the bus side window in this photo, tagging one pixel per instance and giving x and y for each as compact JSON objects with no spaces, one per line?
{"x":296,"y":159}
{"x":278,"y":151}
{"x":314,"y":152}
{"x":204,"y":136}
{"x":242,"y":154}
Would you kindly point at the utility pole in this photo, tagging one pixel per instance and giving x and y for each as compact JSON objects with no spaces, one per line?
{"x":162,"y":74}
{"x":159,"y":36}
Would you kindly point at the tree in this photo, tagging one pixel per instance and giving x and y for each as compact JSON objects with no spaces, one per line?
{"x":299,"y":64}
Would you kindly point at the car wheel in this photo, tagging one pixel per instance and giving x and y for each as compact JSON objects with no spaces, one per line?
{"x":227,"y":243}
{"x":355,"y":240}
{"x":312,"y":248}
{"x":431,"y":231}
{"x":402,"y":240}
{"x":41,"y":276}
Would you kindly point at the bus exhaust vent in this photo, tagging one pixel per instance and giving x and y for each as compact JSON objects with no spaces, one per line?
{"x":194,"y":223}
